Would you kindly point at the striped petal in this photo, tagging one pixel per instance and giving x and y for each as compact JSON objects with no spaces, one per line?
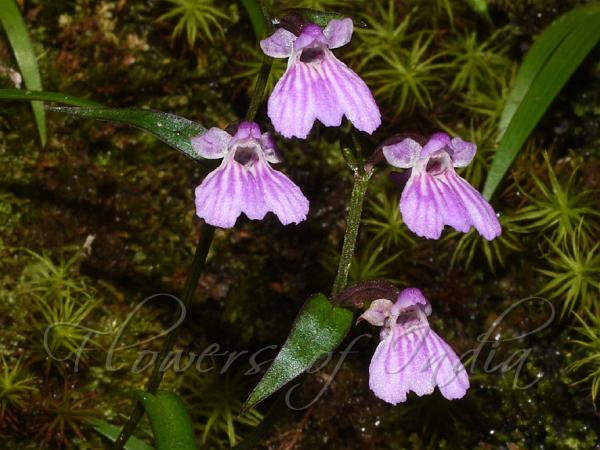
{"x":291,"y":106}
{"x":212,"y":144}
{"x":448,"y":372}
{"x":279,"y":44}
{"x":428,"y":204}
{"x":219,"y":197}
{"x":478,"y":212}
{"x":280,"y":194}
{"x":351,"y":94}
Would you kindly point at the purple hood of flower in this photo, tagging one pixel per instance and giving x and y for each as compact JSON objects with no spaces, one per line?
{"x":316,"y":85}
{"x":245,"y":182}
{"x":435,"y":195}
{"x":411,"y":356}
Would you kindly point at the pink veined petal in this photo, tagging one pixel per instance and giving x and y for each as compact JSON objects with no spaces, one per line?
{"x":436,"y":142}
{"x":410,"y":297}
{"x":389,"y":387}
{"x":403,"y":154}
{"x":213,"y":144}
{"x":292,"y":104}
{"x":338,"y":32}
{"x":270,"y":150}
{"x":281,"y":195}
{"x":463,"y":152}
{"x":377,"y":312}
{"x":413,"y":351}
{"x":448,"y":371}
{"x":246,"y":130}
{"x":480,"y":212}
{"x":328,"y":109}
{"x":279,"y":44}
{"x":420,"y":207}
{"x":351,"y":93}
{"x":252,"y":198}
{"x":219,"y":196}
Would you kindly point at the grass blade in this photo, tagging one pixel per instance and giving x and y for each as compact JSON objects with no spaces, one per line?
{"x":23,"y":94}
{"x":111,"y":432}
{"x":559,"y":50}
{"x":16,"y":31}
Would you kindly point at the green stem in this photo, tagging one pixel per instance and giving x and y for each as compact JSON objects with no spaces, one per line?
{"x":361,"y":183}
{"x":198,"y":264}
{"x":259,"y":88}
{"x":259,"y":18}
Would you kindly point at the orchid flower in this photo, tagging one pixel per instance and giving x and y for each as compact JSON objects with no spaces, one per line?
{"x":435,"y":195}
{"x":410,"y":355}
{"x":316,"y":85}
{"x":245,"y":182}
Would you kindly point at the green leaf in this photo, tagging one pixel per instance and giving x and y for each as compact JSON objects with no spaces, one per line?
{"x":550,"y":62}
{"x":169,"y":128}
{"x":258,"y":18}
{"x":321,"y":18}
{"x":318,"y":329}
{"x":170,"y":421}
{"x":112,"y":432}
{"x":16,"y":31}
{"x":22,"y":94}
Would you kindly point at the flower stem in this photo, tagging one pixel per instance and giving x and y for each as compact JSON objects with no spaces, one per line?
{"x":261,"y":23}
{"x":259,"y":88}
{"x":361,"y":183}
{"x":198,"y":264}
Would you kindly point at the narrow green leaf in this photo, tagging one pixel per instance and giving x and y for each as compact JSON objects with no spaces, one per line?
{"x":16,"y":31}
{"x":536,"y":91}
{"x":112,"y":432}
{"x":170,"y":421}
{"x":258,"y":17}
{"x":537,"y":56}
{"x":318,"y":329}
{"x":169,"y":128}
{"x":22,"y":94}
{"x":321,"y":18}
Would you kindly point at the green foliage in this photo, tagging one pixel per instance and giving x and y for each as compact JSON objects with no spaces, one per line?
{"x":323,"y":5}
{"x":112,"y":432}
{"x":471,"y":244}
{"x":16,"y":387}
{"x":197,"y":18}
{"x":318,"y":329}
{"x":550,"y":62}
{"x":217,"y":400}
{"x":18,"y":36}
{"x":382,"y":33}
{"x":62,"y":413}
{"x":171,"y":423}
{"x":61,"y":302}
{"x":251,"y":66}
{"x":384,"y":222}
{"x":369,"y":264}
{"x":589,"y":344}
{"x":559,"y":211}
{"x":573,"y":273}
{"x":407,"y":75}
{"x":477,"y":63}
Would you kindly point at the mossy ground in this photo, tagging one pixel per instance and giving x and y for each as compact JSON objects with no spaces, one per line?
{"x":432,"y":64}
